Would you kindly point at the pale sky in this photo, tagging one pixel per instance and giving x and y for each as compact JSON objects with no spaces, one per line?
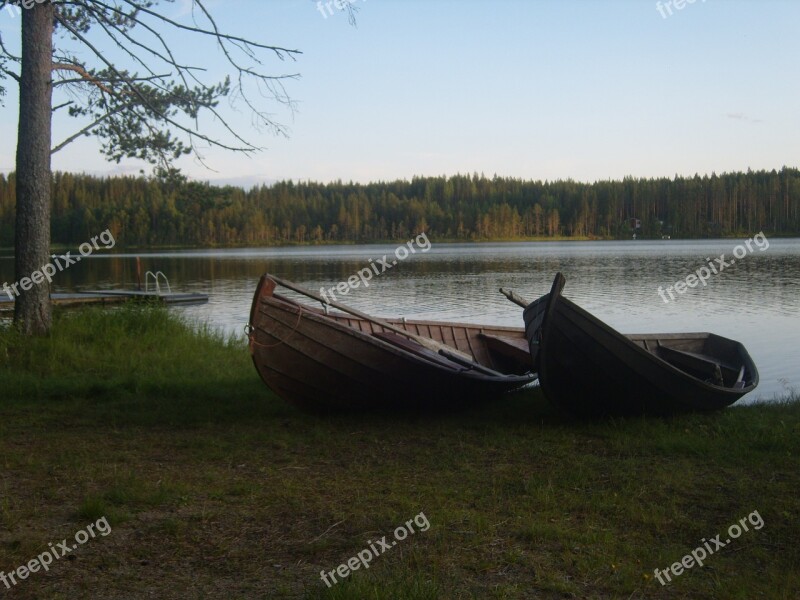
{"x":582,"y":89}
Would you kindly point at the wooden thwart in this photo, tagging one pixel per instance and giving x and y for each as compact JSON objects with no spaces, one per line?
{"x":514,"y":348}
{"x":698,"y":363}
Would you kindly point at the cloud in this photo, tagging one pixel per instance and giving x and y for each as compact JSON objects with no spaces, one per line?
{"x":742,"y":117}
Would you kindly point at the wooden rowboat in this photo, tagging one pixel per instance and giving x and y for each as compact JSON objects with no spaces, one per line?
{"x":347,"y":360}
{"x":590,"y":369}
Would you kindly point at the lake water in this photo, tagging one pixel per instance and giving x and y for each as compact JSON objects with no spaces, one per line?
{"x":754,"y":300}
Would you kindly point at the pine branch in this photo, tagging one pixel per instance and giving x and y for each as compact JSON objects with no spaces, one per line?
{"x":88,"y":128}
{"x":280,"y":52}
{"x":83,"y":73}
{"x":144,"y":101}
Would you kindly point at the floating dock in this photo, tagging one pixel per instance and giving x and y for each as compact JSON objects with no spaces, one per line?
{"x":166,"y":298}
{"x":112,"y":297}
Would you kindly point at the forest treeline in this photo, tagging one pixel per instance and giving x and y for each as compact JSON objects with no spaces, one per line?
{"x":149,"y":212}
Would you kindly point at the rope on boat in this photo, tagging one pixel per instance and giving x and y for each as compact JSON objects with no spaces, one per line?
{"x":253,"y":342}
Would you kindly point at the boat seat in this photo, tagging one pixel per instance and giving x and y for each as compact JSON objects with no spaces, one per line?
{"x":416,"y":348}
{"x":471,"y":365}
{"x":442,"y":358}
{"x":698,"y":363}
{"x":514,"y":348}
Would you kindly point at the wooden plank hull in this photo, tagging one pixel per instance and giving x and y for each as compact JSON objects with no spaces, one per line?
{"x":590,"y":369}
{"x":338,"y":361}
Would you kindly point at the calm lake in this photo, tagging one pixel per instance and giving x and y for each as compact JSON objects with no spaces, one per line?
{"x":754,"y":299}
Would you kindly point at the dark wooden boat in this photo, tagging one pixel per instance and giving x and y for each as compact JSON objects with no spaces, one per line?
{"x":315,"y":359}
{"x":590,"y":369}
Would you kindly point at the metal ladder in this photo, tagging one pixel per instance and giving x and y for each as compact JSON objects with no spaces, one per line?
{"x":155,"y":276}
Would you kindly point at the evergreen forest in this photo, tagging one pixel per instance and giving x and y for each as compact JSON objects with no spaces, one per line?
{"x":143,"y":211}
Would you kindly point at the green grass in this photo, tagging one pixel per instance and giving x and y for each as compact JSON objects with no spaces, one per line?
{"x":214,"y":488}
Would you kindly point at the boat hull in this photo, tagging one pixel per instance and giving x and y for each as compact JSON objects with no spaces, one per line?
{"x":319,"y":361}
{"x":588,"y":368}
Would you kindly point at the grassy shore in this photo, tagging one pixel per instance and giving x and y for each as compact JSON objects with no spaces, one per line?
{"x":214,"y":488}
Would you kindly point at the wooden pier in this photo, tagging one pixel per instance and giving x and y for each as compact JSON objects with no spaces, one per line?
{"x":112,"y":297}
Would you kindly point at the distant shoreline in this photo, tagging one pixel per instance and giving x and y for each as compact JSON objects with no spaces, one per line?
{"x":120,"y":248}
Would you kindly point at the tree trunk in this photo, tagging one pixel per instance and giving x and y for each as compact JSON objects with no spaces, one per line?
{"x":32,"y":310}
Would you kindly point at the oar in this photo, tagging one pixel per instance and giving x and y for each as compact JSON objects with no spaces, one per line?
{"x":514,"y":297}
{"x":422,"y":341}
